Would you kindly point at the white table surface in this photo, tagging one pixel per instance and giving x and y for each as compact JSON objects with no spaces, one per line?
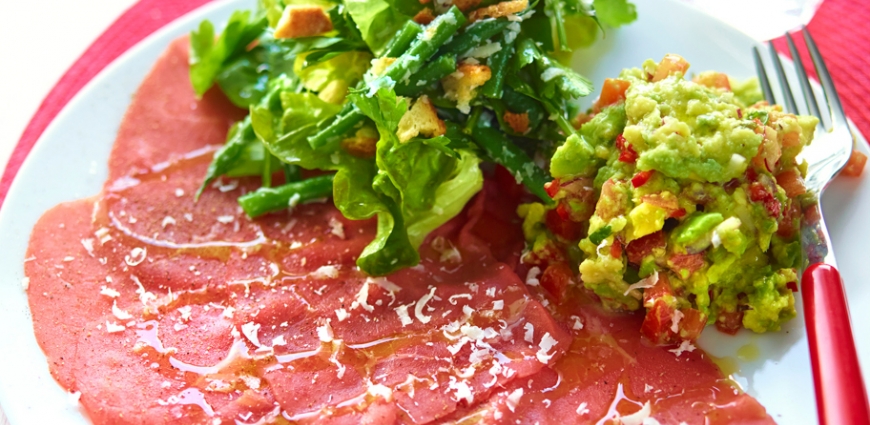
{"x":56,"y":34}
{"x":41,"y":39}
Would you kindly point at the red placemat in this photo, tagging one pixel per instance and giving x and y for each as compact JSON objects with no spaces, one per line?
{"x":838,"y":28}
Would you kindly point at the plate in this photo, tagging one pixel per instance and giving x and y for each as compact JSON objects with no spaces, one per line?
{"x":69,"y":162}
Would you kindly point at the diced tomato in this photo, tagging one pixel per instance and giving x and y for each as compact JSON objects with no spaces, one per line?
{"x":692,"y":323}
{"x":689,"y":262}
{"x":680,"y":213}
{"x":670,"y":64}
{"x":562,"y":211}
{"x":640,"y":248}
{"x":507,"y":183}
{"x":656,"y":325}
{"x":792,"y":286}
{"x":716,"y":80}
{"x":626,"y":152}
{"x":759,"y":193}
{"x":856,"y":163}
{"x":556,"y":279}
{"x":661,"y":289}
{"x":616,"y":249}
{"x":577,"y":199}
{"x":751,"y":174}
{"x":659,"y":314}
{"x":789,"y":224}
{"x":729,"y":322}
{"x":792,"y":182}
{"x":641,"y":178}
{"x":552,"y":188}
{"x":562,"y":226}
{"x":612,"y":92}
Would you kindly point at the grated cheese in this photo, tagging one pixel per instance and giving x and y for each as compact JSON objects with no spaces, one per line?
{"x":582,"y":409}
{"x":532,"y":276}
{"x":120,"y":314}
{"x":529,"y":335}
{"x":546,"y":344}
{"x":325,"y":272}
{"x":404,"y":317}
{"x":325,"y":333}
{"x":249,"y":330}
{"x":685,"y":346}
{"x":514,"y":399}
{"x":421,"y":303}
{"x":112,"y":327}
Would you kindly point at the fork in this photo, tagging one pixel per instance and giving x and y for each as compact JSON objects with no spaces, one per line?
{"x":840,"y":393}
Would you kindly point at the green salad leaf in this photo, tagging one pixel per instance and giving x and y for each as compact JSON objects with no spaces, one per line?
{"x":329,"y":102}
{"x":208,"y":55}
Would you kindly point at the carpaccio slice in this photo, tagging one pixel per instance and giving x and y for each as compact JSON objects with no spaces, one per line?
{"x":157,"y":309}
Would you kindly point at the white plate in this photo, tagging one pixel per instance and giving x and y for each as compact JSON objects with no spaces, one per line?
{"x":69,"y":162}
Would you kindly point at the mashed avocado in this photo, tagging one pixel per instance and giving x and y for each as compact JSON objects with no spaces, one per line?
{"x":697,"y":196}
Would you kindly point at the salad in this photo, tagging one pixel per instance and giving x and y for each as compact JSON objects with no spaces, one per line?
{"x":680,"y":196}
{"x":402,"y":100}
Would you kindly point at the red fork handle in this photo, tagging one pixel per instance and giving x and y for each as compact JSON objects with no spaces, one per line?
{"x":840,"y":393}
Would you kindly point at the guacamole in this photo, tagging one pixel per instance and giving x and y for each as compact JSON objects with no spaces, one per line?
{"x":692,"y":205}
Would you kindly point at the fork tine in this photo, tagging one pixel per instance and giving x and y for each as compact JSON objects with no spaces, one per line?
{"x":838,"y":117}
{"x":806,"y":88}
{"x":762,"y":77}
{"x":790,"y":105}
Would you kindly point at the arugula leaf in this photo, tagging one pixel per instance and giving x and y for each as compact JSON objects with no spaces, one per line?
{"x":614,"y":13}
{"x":208,"y":55}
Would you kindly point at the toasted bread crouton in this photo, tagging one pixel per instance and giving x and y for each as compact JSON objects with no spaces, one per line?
{"x":466,"y":5}
{"x":519,"y":123}
{"x":461,"y":86}
{"x":302,"y":21}
{"x":424,"y":16}
{"x":363,"y":144}
{"x":421,"y":119}
{"x":498,"y":10}
{"x":379,"y":65}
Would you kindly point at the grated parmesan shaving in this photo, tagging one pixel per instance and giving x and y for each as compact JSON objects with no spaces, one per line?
{"x":325,"y":272}
{"x":250,"y":330}
{"x":421,"y":303}
{"x":514,"y":399}
{"x":532,"y":276}
{"x":120,"y":314}
{"x":685,"y":346}
{"x":546,"y":344}
{"x":404,"y":317}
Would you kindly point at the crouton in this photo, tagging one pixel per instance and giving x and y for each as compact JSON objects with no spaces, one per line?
{"x":461,"y":86}
{"x":303,"y":21}
{"x":364,"y":143}
{"x":421,"y":119}
{"x":498,"y":10}
{"x":379,"y":65}
{"x":466,"y":5}
{"x":424,"y":16}
{"x":519,"y":123}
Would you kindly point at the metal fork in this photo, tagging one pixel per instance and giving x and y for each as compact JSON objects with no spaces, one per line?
{"x":840,"y":393}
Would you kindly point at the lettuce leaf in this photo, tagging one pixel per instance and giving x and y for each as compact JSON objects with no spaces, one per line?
{"x":379,"y":20}
{"x":208,"y":55}
{"x":614,"y":13}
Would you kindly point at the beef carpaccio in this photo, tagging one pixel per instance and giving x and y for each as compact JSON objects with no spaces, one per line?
{"x":157,"y":309}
